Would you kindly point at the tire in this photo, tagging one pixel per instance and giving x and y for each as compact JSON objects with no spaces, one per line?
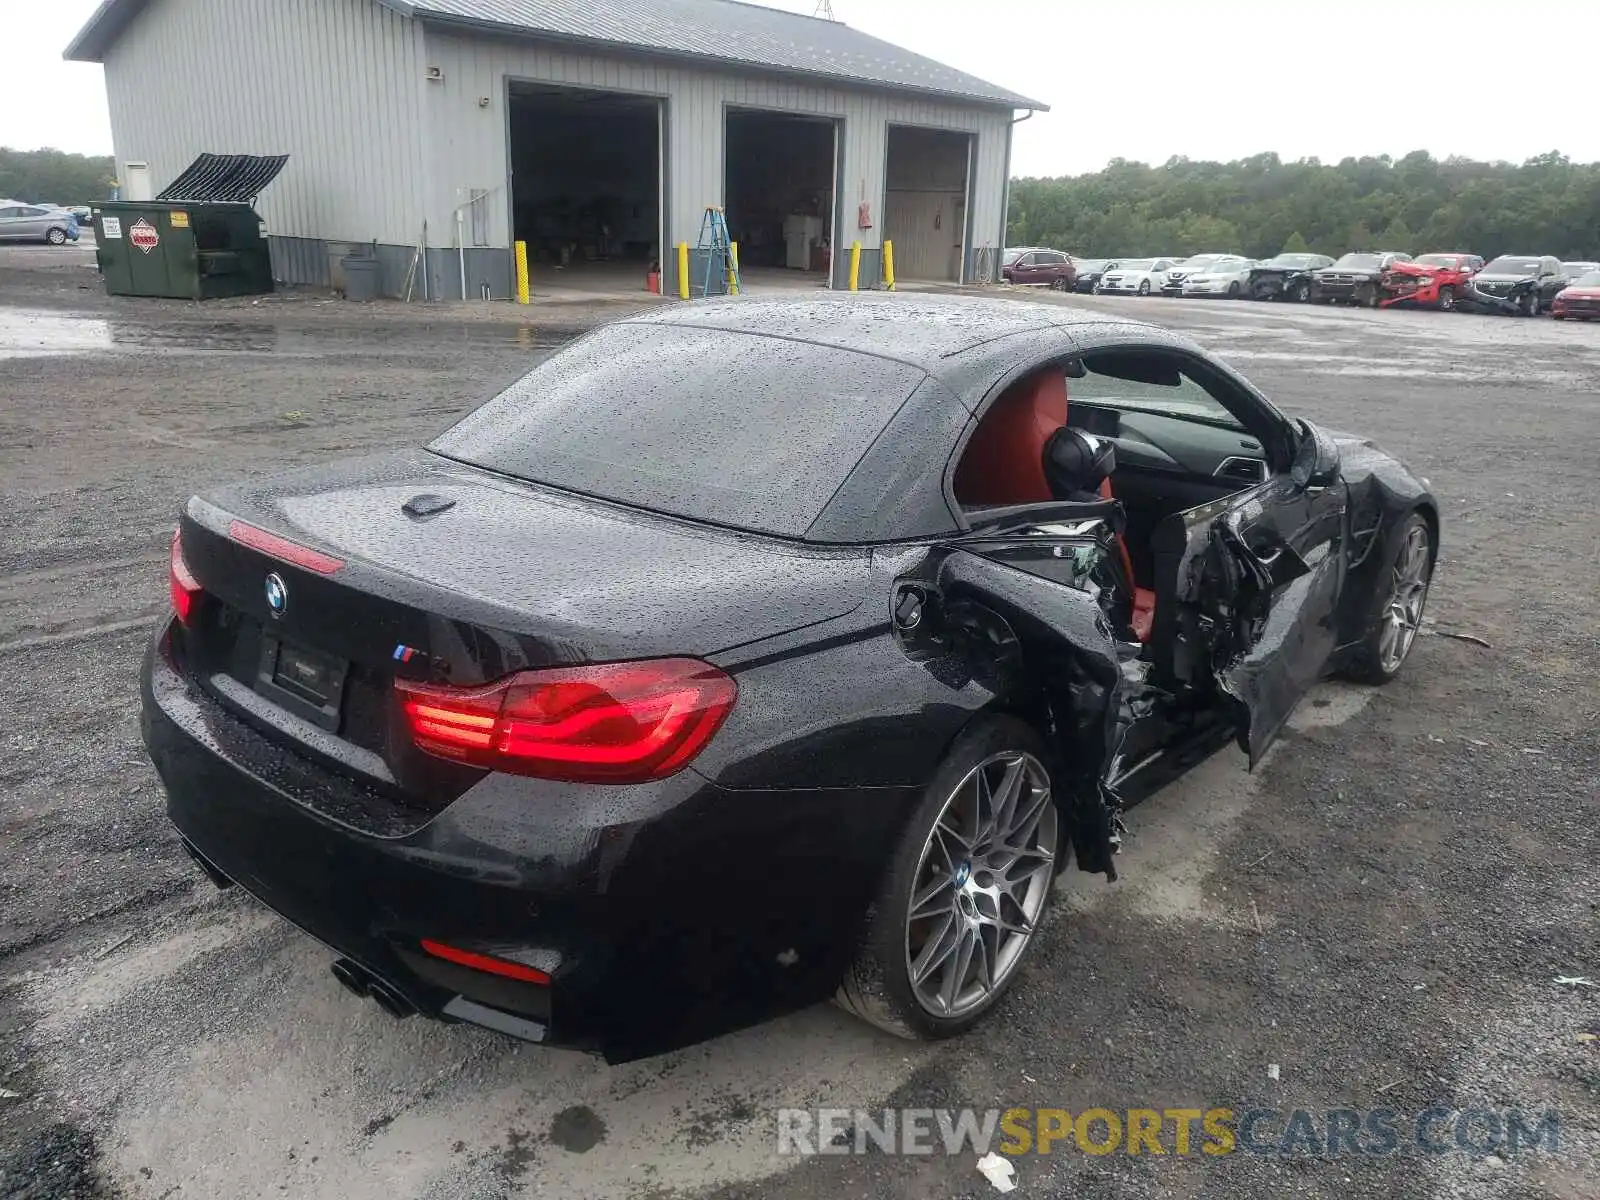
{"x":946,"y":827}
{"x":1302,"y":293}
{"x":1144,"y":287}
{"x":1447,"y":299}
{"x":1233,"y":290}
{"x":56,"y":237}
{"x":1530,"y":304}
{"x":1374,"y":659}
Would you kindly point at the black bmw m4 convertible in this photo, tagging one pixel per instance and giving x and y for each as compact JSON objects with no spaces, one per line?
{"x":753,"y":652}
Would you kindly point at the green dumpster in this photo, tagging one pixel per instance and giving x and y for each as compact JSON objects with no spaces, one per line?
{"x":188,"y":251}
{"x":199,"y":239}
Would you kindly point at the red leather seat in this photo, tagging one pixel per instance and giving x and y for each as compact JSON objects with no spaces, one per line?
{"x":1004,"y":462}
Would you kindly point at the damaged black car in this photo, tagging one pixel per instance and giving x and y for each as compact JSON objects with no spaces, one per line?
{"x":1286,"y":277}
{"x":1521,"y":285}
{"x":753,"y":653}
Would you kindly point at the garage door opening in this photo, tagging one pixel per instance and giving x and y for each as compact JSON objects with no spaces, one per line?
{"x":779,"y":180}
{"x":926,"y":202}
{"x":586,"y":185}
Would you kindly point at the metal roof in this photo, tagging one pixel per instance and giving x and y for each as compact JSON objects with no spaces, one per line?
{"x":735,"y":34}
{"x":237,"y":178}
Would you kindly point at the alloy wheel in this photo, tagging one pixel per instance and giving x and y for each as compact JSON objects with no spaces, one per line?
{"x":55,"y":237}
{"x":981,"y":883}
{"x":1403,"y":615}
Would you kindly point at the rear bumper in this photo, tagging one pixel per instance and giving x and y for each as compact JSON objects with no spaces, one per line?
{"x":663,"y":913}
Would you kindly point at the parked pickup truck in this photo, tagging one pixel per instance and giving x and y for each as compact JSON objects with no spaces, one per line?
{"x":1432,"y":281}
{"x":1355,"y":278}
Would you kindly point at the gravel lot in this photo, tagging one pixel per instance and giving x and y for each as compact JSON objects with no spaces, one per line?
{"x":1381,"y":910}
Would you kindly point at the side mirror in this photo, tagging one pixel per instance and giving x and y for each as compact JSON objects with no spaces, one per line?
{"x":1316,"y":459}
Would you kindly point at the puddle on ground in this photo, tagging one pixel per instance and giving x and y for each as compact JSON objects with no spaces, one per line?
{"x":40,"y":333}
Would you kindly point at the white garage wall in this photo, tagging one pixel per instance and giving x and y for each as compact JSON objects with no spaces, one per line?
{"x":335,"y":84}
{"x":467,"y":138}
{"x":376,"y":148}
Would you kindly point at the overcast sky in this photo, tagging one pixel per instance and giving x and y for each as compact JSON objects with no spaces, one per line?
{"x":1136,"y":79}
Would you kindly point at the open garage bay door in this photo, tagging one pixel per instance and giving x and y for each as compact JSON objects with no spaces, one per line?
{"x":780,"y":181}
{"x":927,"y":201}
{"x":586,"y":184}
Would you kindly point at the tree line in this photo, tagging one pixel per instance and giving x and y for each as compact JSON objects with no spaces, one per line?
{"x":55,"y":177}
{"x":1261,"y":206}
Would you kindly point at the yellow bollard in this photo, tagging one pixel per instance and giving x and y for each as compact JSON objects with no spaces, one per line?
{"x":683,"y":270}
{"x":888,"y":265}
{"x":733,"y":268}
{"x":855,"y":265}
{"x":522,"y":272}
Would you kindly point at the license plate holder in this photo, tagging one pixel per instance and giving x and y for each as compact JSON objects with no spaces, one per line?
{"x":307,"y":682}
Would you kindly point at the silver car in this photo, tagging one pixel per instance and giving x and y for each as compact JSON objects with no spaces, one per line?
{"x":1229,"y":276}
{"x":35,"y":223}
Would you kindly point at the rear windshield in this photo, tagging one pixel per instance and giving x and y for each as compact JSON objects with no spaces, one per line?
{"x":752,"y":432}
{"x":1589,"y":279}
{"x":1361,"y":262}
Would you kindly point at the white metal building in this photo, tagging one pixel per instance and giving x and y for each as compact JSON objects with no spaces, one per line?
{"x":595,"y":132}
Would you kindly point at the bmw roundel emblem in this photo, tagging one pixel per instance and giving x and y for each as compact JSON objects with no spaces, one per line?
{"x":277,"y":594}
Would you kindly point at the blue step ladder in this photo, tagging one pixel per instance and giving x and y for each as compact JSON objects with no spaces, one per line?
{"x":718,"y":250}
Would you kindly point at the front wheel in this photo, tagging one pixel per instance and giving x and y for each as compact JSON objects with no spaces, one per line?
{"x":1530,"y":304}
{"x":1302,"y":293}
{"x":1233,"y":291}
{"x":1388,"y":641}
{"x":965,"y":890}
{"x":1144,"y":287}
{"x":56,"y":237}
{"x":1447,"y":299}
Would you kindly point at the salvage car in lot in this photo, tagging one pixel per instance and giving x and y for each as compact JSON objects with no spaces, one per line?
{"x":1516,"y":284}
{"x":1089,"y":272}
{"x":1140,"y":276}
{"x":1227,"y":277}
{"x":1286,"y":277}
{"x":1051,"y":268}
{"x":1579,"y":300}
{"x":1355,"y":277}
{"x":618,"y":724}
{"x":1172,"y":285}
{"x":1432,"y":280}
{"x":36,"y":223}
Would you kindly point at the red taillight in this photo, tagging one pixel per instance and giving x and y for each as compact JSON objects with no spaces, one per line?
{"x":608,"y":723}
{"x":282,"y":549}
{"x":182,"y":586}
{"x":484,"y":962}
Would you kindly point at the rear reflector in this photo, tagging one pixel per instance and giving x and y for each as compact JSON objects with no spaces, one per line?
{"x":283,"y":549}
{"x":607,"y":723}
{"x":484,"y":962}
{"x":181,"y":584}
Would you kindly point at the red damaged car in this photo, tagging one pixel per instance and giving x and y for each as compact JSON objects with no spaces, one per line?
{"x":1432,"y":281}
